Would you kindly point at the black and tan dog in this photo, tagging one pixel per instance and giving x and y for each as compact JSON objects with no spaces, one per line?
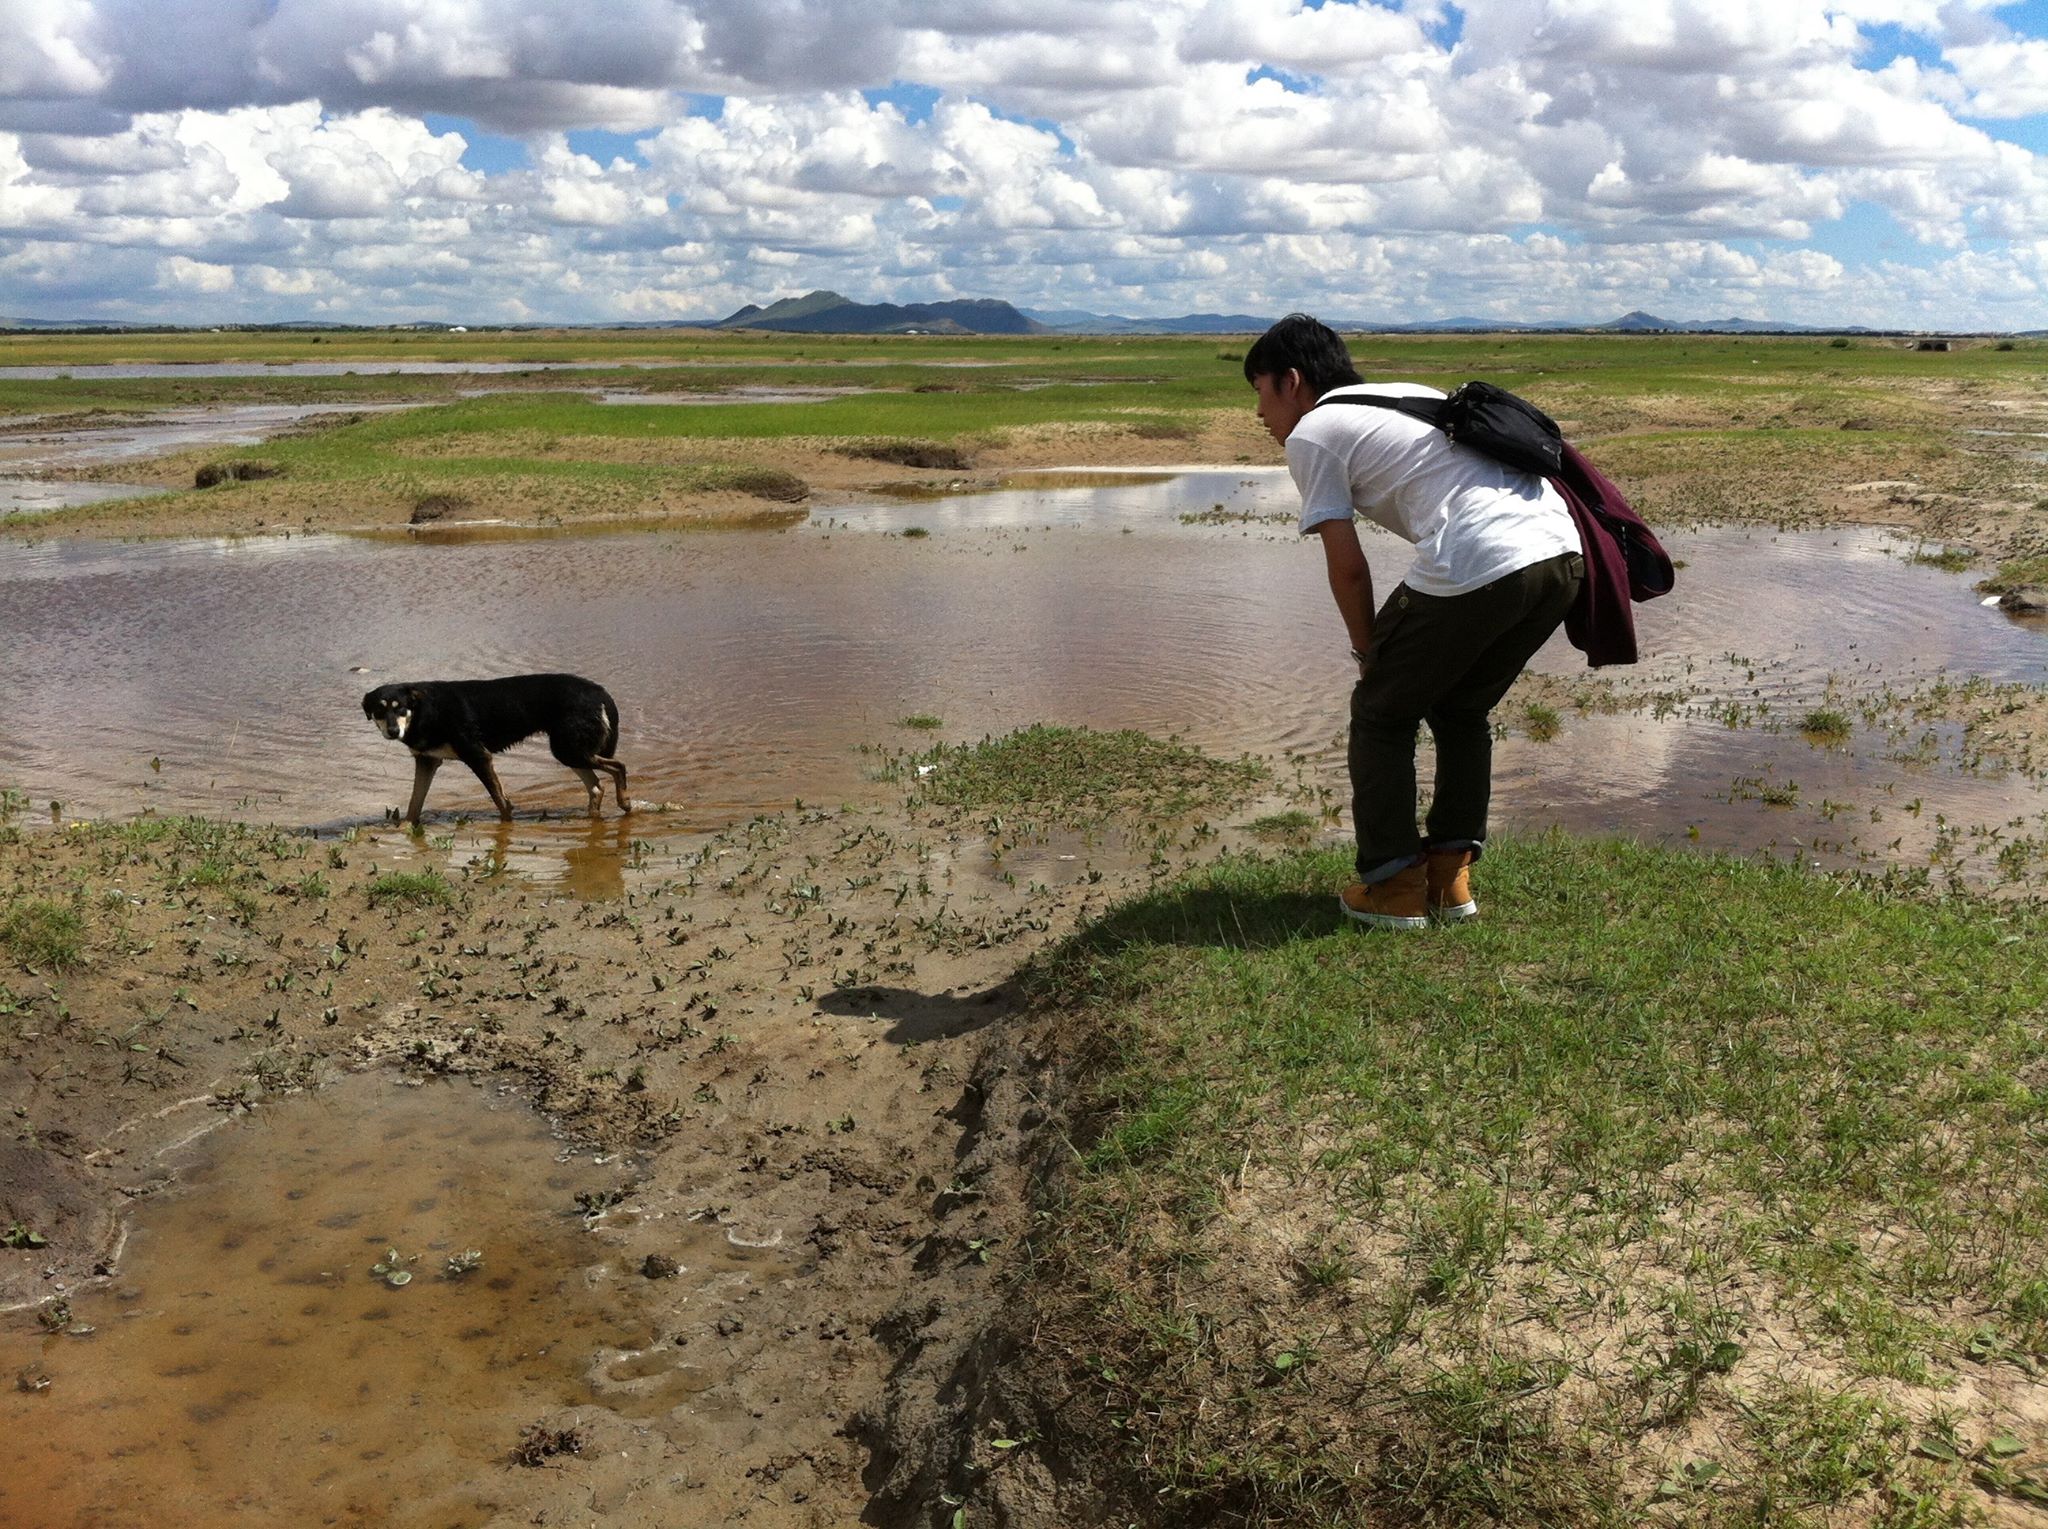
{"x":471,"y":720}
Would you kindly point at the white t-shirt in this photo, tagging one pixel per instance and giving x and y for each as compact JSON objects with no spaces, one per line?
{"x":1472,"y":519}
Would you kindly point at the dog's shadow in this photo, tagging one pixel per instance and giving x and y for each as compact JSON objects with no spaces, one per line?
{"x":915,"y":1018}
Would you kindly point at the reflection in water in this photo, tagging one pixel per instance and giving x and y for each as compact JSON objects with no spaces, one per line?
{"x":358,"y":367}
{"x":246,"y":1366}
{"x":165,"y":431}
{"x":752,"y":667}
{"x":33,"y":496}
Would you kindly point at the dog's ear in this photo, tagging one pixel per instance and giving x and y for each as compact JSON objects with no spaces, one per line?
{"x":370,"y":704}
{"x":415,"y":698}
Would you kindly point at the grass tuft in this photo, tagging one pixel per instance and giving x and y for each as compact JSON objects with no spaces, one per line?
{"x":1948,"y":559}
{"x":43,"y":935}
{"x":1077,"y":770}
{"x":909,"y":453}
{"x":1826,"y":725}
{"x":414,"y":888}
{"x":1290,"y":827}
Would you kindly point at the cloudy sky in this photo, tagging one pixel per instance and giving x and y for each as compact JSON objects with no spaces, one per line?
{"x":1874,"y":161}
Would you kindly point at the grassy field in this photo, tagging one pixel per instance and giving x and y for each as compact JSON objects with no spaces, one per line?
{"x":1775,"y":428}
{"x":1676,"y":1189}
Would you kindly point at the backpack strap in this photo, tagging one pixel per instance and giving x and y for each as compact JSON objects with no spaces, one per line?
{"x":1429,"y":410}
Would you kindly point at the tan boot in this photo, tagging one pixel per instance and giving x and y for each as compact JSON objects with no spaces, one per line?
{"x":1450,"y":887}
{"x":1399,"y":902}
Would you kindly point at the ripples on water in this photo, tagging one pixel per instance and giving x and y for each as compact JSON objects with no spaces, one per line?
{"x":750,"y":665}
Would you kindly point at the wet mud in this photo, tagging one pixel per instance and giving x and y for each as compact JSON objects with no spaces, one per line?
{"x":786,"y":1160}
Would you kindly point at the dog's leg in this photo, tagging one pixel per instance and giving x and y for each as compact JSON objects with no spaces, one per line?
{"x":480,"y":762}
{"x":423,"y":768}
{"x":590,"y":784}
{"x":617,"y":772}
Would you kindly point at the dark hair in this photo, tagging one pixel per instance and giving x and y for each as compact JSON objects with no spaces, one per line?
{"x":1309,"y":346}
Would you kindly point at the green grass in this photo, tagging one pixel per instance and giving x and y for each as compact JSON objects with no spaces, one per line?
{"x":1541,"y":722}
{"x":1696,"y":427}
{"x":1284,"y":827}
{"x":43,"y":936}
{"x":1824,"y":724}
{"x":1948,"y":559}
{"x":2015,"y":574}
{"x":412,"y":888}
{"x":1076,"y":772}
{"x":1664,"y":1153}
{"x":921,"y":721}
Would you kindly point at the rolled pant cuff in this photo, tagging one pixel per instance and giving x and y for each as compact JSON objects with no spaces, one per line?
{"x":1387,"y":868}
{"x":1452,"y":846}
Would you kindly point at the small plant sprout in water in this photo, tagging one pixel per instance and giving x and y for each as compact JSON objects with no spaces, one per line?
{"x":1824,"y":724}
{"x":392,"y":1270}
{"x":468,"y":1261}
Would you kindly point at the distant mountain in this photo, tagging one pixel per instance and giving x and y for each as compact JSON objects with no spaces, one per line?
{"x":1078,"y":321}
{"x":6,"y":323}
{"x":829,"y":313}
{"x":1465,"y":326}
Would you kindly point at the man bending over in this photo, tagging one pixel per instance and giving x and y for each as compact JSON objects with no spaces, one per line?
{"x":1497,"y":565}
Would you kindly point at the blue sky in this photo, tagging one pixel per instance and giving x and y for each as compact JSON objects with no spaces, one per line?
{"x":1872,"y":161}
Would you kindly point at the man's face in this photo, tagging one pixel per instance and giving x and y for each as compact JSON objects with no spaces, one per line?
{"x":1283,"y":399}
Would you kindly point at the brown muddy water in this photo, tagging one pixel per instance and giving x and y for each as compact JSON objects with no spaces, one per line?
{"x":245,"y":1364}
{"x":753,"y":667}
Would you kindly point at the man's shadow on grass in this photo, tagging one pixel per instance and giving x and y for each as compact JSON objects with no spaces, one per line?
{"x":1216,"y":917}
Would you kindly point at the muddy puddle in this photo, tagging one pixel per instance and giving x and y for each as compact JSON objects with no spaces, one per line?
{"x":124,"y":371}
{"x":35,"y":496}
{"x":756,"y":668}
{"x":245,"y":1363}
{"x":27,"y":449}
{"x":630,"y":398}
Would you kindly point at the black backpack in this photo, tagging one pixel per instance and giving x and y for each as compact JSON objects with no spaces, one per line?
{"x":1491,"y":420}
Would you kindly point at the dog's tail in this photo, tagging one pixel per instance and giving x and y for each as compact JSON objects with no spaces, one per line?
{"x":611,"y":728}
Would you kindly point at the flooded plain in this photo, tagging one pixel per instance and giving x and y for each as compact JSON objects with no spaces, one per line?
{"x":246,"y":1363}
{"x":754,"y":668}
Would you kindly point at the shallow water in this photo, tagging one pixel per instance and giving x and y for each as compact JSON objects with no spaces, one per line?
{"x":160,"y":433}
{"x":363,"y":366}
{"x":29,"y":450}
{"x":35,"y":496}
{"x":117,"y":371}
{"x":245,"y":1365}
{"x":751,"y":666}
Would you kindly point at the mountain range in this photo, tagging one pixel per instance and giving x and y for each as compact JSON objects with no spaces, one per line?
{"x":824,"y":312}
{"x":829,"y":313}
